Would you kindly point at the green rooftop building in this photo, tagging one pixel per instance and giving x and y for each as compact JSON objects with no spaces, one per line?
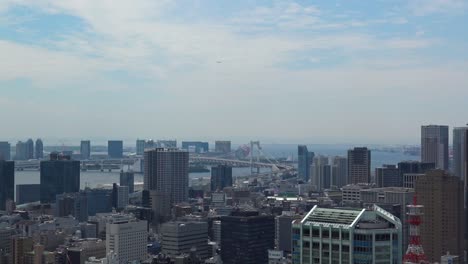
{"x":358,"y":236}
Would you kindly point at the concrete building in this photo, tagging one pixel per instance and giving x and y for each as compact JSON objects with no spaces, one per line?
{"x":85,"y":149}
{"x":127,"y":239}
{"x":122,"y":197}
{"x":29,"y":149}
{"x":246,"y":237}
{"x":39,"y":151}
{"x":7,"y":182}
{"x":222,"y":146}
{"x":388,"y":176}
{"x":21,"y":151}
{"x":101,"y":201}
{"x":115,"y":149}
{"x":351,"y":193}
{"x":166,"y":177}
{"x":413,"y":167}
{"x":81,"y":251}
{"x":410,"y":178}
{"x":195,"y":146}
{"x":347,"y":236}
{"x":20,"y":245}
{"x":59,"y":175}
{"x":140,"y":146}
{"x":339,"y":171}
{"x":321,"y":173}
{"x":303,"y":162}
{"x":443,"y":228}
{"x":283,"y":228}
{"x":74,"y":204}
{"x":221,"y":177}
{"x":179,"y":238}
{"x":127,"y":178}
{"x":5,"y":150}
{"x":459,"y":152}
{"x":359,"y":164}
{"x":434,"y":145}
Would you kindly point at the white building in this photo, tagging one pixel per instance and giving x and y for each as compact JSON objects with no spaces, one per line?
{"x":183,"y":237}
{"x":127,"y":239}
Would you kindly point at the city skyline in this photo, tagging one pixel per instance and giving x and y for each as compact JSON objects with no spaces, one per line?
{"x":300,"y":71}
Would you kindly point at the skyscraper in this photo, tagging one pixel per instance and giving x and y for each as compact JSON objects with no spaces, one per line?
{"x":166,"y":177}
{"x":443,"y":226}
{"x":127,"y":239}
{"x":222,"y":146}
{"x":85,"y":149}
{"x":321,"y":172}
{"x":28,"y":193}
{"x":459,"y":152}
{"x":5,"y":150}
{"x":140,"y":146}
{"x":339,"y":171}
{"x":304,"y":160}
{"x":21,"y":151}
{"x":7,"y":182}
{"x":359,"y":164}
{"x":246,"y":237}
{"x":221,"y":176}
{"x":388,"y":176}
{"x":59,"y":175}
{"x":30,"y":149}
{"x":434,"y":145}
{"x":115,"y":149}
{"x":39,"y":153}
{"x":127,"y":178}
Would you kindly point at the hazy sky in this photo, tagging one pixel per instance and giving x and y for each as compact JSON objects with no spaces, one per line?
{"x":292,"y":71}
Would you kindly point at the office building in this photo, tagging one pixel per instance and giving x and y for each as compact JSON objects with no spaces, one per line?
{"x":20,"y":245}
{"x":21,"y":151}
{"x":359,"y":164}
{"x":28,"y":193}
{"x":39,"y":153}
{"x":127,"y":239}
{"x":442,"y":231}
{"x":85,"y":149}
{"x":410,"y":178}
{"x":115,"y":149}
{"x":7,"y":182}
{"x":127,"y":178}
{"x":5,"y":150}
{"x":321,"y":173}
{"x":303,"y":162}
{"x":283,"y":228}
{"x":459,"y":152}
{"x":339,"y":171}
{"x":140,"y":146}
{"x":179,"y":238}
{"x":347,"y":236}
{"x":414,"y":167}
{"x":388,"y":176}
{"x":59,"y":175}
{"x":100,"y":201}
{"x":222,"y":146}
{"x":221,"y":176}
{"x":29,"y":149}
{"x":165,"y":144}
{"x":434,"y":145}
{"x":122,"y":197}
{"x":246,"y":237}
{"x":195,"y":146}
{"x":393,"y":200}
{"x":351,"y":193}
{"x":166,"y":177}
{"x":74,"y":204}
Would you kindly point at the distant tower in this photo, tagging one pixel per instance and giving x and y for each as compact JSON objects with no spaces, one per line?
{"x":414,"y":253}
{"x":39,"y":153}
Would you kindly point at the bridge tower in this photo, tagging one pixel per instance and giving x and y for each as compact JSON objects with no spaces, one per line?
{"x":254,"y":154}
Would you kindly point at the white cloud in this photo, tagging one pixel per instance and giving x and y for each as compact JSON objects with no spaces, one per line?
{"x":428,"y":7}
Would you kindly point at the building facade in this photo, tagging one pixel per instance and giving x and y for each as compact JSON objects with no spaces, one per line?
{"x":7,"y":182}
{"x":179,"y":238}
{"x":127,"y":239}
{"x":115,"y":149}
{"x":459,"y":152}
{"x":39,"y":151}
{"x":85,"y":149}
{"x":434,"y":145}
{"x":5,"y":150}
{"x":127,"y":178}
{"x":195,"y":146}
{"x":388,"y":176}
{"x":221,"y":177}
{"x":359,"y":164}
{"x":28,"y":193}
{"x":339,"y":171}
{"x":222,"y":146}
{"x":303,"y":163}
{"x":58,"y":175}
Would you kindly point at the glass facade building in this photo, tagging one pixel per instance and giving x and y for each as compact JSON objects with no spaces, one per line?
{"x":59,"y":175}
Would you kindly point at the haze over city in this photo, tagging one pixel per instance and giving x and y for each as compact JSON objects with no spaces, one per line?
{"x":280,"y":71}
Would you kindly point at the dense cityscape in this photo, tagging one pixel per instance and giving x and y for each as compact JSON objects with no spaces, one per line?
{"x":308,"y":208}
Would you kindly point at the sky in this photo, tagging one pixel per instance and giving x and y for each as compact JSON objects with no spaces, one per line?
{"x":312,"y":72}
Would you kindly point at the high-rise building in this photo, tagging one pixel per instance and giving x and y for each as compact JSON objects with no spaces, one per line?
{"x":166,"y":177}
{"x":303,"y":160}
{"x":30,"y":149}
{"x":85,"y":149}
{"x":359,"y":164}
{"x":184,"y":237}
{"x":28,"y":193}
{"x":221,"y":176}
{"x":140,"y":146}
{"x":20,"y":245}
{"x":39,"y":153}
{"x":434,"y":145}
{"x":122,"y":197}
{"x":283,"y":227}
{"x":127,"y":178}
{"x":443,"y":226}
{"x":100,"y":201}
{"x":21,"y":151}
{"x":59,"y":175}
{"x":222,"y":146}
{"x":115,"y":149}
{"x":246,"y":237}
{"x":195,"y":146}
{"x":321,"y":172}
{"x":75,"y":204}
{"x":459,"y":152}
{"x":414,"y":167}
{"x":5,"y":150}
{"x":339,"y":171}
{"x":388,"y":176}
{"x":327,"y":235}
{"x":127,"y":239}
{"x":7,"y":182}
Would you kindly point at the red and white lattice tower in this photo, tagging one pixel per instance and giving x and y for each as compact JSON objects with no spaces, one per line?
{"x":414,"y":253}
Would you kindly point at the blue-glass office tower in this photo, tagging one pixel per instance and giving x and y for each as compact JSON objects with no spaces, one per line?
{"x":100,"y":201}
{"x":221,"y":176}
{"x":304,"y":159}
{"x":115,"y":149}
{"x":28,"y":193}
{"x":127,"y":178}
{"x":59,"y":175}
{"x":7,"y":182}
